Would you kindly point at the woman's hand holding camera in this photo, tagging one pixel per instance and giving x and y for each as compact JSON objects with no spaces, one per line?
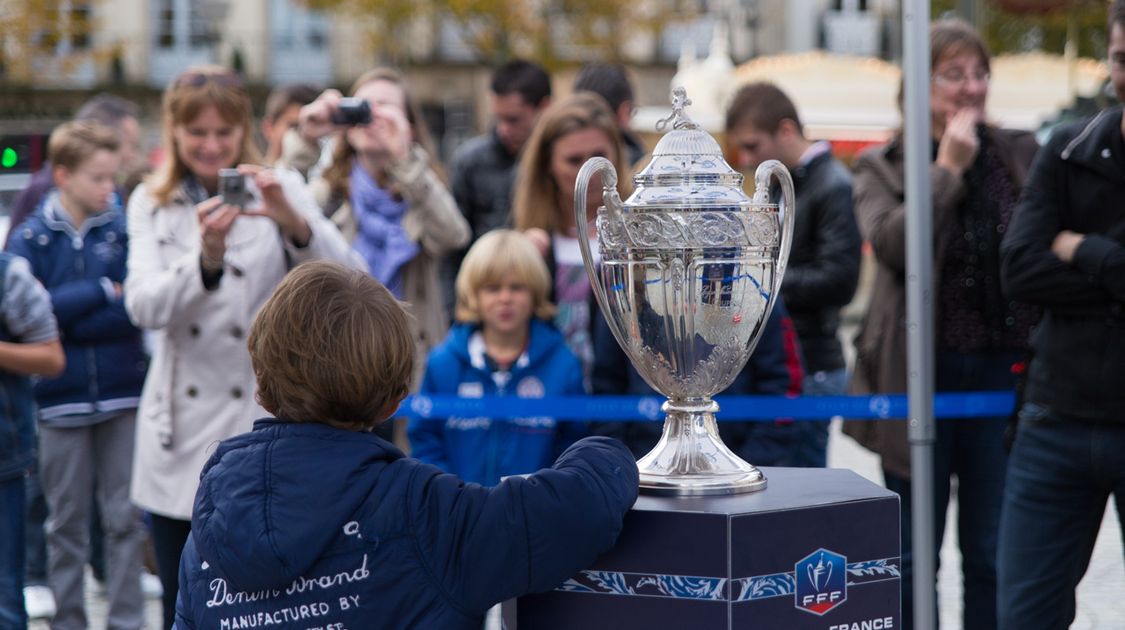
{"x":276,"y":206}
{"x":217,"y":218}
{"x":315,"y":119}
{"x":215,"y":221}
{"x":391,"y":130}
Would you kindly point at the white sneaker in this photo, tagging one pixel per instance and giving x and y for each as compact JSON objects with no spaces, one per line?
{"x":39,"y":602}
{"x":151,"y":586}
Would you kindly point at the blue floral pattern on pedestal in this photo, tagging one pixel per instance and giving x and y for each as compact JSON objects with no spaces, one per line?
{"x":764,"y":587}
{"x":716,"y":588}
{"x":687,"y":587}
{"x":647,"y":585}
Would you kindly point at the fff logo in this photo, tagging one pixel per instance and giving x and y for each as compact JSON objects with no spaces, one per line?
{"x":822,"y":582}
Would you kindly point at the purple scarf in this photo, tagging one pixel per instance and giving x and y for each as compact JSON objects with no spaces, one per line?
{"x":381,"y":240}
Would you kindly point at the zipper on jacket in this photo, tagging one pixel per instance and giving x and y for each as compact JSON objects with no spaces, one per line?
{"x":79,"y":245}
{"x":492,"y":469}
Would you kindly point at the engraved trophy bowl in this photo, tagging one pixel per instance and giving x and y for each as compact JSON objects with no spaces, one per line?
{"x":690,"y":267}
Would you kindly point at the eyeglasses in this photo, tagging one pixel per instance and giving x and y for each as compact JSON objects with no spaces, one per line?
{"x":199,"y":79}
{"x":958,"y":78}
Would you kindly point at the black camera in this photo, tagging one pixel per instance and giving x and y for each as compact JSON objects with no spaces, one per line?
{"x":352,"y":111}
{"x":232,"y":187}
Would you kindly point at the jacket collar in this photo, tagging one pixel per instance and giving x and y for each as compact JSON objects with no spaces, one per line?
{"x":817,"y":152}
{"x":57,"y":219}
{"x":477,"y":351}
{"x":1092,"y":146}
{"x":542,"y":338}
{"x":501,"y":150}
{"x":287,"y":428}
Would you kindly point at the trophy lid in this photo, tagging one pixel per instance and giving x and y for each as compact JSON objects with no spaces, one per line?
{"x":688,"y":155}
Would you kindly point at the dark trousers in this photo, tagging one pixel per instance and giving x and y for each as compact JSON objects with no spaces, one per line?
{"x":169,"y":535}
{"x":972,"y":449}
{"x":1061,"y":474}
{"x":12,"y":553}
{"x":35,"y":536}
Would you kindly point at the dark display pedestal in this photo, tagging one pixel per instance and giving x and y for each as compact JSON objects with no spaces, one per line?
{"x":818,"y":548}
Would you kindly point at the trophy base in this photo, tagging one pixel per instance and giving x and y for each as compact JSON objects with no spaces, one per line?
{"x":699,"y":485}
{"x":691,"y":460}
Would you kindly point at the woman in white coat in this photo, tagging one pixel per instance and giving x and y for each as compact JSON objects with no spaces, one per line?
{"x":199,"y":270}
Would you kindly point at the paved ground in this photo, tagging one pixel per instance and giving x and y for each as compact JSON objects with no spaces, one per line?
{"x":1101,"y":596}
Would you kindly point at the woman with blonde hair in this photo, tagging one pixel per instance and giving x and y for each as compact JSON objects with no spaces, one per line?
{"x":198,"y":269}
{"x":569,"y":133}
{"x":386,"y":193}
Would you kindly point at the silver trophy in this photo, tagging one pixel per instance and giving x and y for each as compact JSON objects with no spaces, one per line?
{"x":688,"y":273}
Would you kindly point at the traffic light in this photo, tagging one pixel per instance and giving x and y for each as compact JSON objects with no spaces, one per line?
{"x":22,"y":153}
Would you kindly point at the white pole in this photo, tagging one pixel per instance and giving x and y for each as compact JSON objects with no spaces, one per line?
{"x":919,"y":301}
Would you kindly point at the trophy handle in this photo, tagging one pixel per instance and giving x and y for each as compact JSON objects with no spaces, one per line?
{"x":785,"y":208}
{"x":614,"y":207}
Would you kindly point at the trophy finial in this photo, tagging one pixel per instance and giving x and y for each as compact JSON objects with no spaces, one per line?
{"x":678,"y":118}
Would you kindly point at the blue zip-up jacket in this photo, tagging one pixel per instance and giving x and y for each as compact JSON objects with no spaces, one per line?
{"x":105,"y":358}
{"x":483,"y":450}
{"x":309,"y":526}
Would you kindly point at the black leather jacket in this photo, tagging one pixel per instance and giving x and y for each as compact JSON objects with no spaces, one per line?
{"x":1077,"y":183}
{"x":482,"y":174}
{"x":824,"y":262}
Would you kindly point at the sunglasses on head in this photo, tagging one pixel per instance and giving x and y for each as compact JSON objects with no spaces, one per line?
{"x":199,"y":79}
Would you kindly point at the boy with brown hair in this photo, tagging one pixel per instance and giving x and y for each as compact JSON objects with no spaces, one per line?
{"x":77,"y":245}
{"x":311,"y":519}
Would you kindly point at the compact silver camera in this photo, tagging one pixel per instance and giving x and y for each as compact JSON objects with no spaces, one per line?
{"x":232,"y":187}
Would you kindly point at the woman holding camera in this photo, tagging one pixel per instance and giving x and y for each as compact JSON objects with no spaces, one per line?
{"x":199,"y":268}
{"x":385,"y":191}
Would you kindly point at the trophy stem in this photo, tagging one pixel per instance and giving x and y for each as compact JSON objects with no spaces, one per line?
{"x":691,"y":459}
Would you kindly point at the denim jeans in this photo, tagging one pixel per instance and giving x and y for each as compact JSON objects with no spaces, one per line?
{"x":972,"y":449}
{"x":12,"y":552}
{"x":1060,"y":476}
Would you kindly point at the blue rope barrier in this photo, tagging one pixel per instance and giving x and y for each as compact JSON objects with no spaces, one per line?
{"x":740,"y":408}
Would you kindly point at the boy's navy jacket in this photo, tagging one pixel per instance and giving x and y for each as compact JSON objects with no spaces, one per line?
{"x":483,"y":450}
{"x":105,"y":359}
{"x":300,"y":525}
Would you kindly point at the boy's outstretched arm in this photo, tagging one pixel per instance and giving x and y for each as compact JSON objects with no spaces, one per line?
{"x":485,"y":545}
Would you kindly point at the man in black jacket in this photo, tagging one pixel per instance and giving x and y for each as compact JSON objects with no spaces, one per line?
{"x":1065,"y":251}
{"x":762,"y":124}
{"x":610,"y":81}
{"x":482,"y":173}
